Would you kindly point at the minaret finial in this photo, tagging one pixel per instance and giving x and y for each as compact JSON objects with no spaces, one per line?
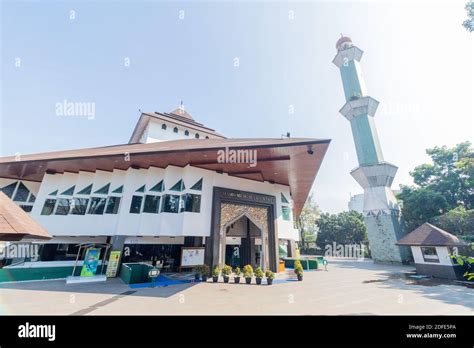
{"x":181,"y":107}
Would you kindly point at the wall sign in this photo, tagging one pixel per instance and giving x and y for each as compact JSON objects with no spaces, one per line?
{"x":112,"y":267}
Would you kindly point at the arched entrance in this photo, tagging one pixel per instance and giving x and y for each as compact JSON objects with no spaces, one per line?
{"x":244,"y":242}
{"x":246,"y":220}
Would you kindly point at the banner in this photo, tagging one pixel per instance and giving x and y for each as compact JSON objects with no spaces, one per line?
{"x":89,"y":267}
{"x":113,"y":264}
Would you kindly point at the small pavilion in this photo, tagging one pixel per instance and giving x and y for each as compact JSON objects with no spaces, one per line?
{"x":432,"y":248}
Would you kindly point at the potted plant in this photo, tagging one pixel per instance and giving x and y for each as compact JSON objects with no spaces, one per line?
{"x":204,"y":271}
{"x":226,"y":272}
{"x":298,"y":270}
{"x":215,"y":274}
{"x":270,"y":276}
{"x":258,"y":275}
{"x":237,"y":273}
{"x":248,"y":273}
{"x":197,"y":273}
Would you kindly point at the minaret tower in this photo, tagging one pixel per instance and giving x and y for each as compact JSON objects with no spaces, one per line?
{"x":381,"y":211}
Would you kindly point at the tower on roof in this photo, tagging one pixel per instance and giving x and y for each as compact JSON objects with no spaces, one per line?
{"x":175,"y":125}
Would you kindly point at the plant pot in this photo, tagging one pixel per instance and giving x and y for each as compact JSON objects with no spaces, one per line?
{"x":226,"y":279}
{"x":215,"y":279}
{"x":248,"y":280}
{"x":236,"y":280}
{"x":269,"y":281}
{"x":300,"y":277}
{"x":204,"y":278}
{"x":258,"y":281}
{"x":196,"y":276}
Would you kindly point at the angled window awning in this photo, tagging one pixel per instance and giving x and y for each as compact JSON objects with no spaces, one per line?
{"x":69,"y":191}
{"x":104,"y":190}
{"x":118,"y":189}
{"x":160,"y":187}
{"x":86,"y":190}
{"x":197,"y":186}
{"x":179,"y":186}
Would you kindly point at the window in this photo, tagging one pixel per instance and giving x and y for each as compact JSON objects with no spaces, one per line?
{"x":152,"y":204}
{"x":186,"y":132}
{"x":207,"y":137}
{"x":9,"y":189}
{"x":163,"y":126}
{"x":158,"y":187}
{"x":197,"y":186}
{"x":118,"y":190}
{"x":136,"y":205}
{"x":197,"y":136}
{"x":179,"y":186}
{"x":286,"y":213}
{"x":86,"y":190}
{"x":283,"y":198}
{"x":79,"y":206}
{"x":22,"y":193}
{"x":141,"y":189}
{"x":69,"y":191}
{"x":191,"y":203}
{"x":113,"y":205}
{"x":54,"y":193}
{"x":48,"y":206}
{"x":170,"y":204}
{"x":26,"y":208}
{"x":430,"y":254}
{"x":104,"y":190}
{"x":32,"y":198}
{"x":97,"y":206}
{"x":63,"y":206}
{"x":175,"y":129}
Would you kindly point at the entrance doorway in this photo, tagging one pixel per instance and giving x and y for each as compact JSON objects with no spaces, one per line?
{"x":243,"y":244}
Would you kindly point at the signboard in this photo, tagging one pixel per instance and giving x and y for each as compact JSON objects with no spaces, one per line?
{"x":113,"y":264}
{"x":191,"y":257}
{"x":89,"y":267}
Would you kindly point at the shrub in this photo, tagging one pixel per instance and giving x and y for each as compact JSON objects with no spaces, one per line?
{"x":216,"y":271}
{"x":226,"y":271}
{"x":248,"y":271}
{"x":237,"y":271}
{"x":258,"y":272}
{"x":298,"y":267}
{"x":202,"y":270}
{"x":269,"y":274}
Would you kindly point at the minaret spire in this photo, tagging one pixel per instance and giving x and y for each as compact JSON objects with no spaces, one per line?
{"x":381,"y":211}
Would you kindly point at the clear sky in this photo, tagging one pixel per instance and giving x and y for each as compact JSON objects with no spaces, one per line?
{"x":418,"y":62}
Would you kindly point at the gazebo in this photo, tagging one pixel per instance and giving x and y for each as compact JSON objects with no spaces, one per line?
{"x":432,"y":248}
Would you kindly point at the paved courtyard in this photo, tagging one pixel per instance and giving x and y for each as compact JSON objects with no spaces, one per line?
{"x":348,"y":287}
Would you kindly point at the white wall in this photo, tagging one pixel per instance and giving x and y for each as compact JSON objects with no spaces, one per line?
{"x":443,"y":255}
{"x":154,"y":133}
{"x":144,"y":224}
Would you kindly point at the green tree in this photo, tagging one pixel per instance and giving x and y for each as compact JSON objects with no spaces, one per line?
{"x":347,"y":227}
{"x":443,"y":185}
{"x":458,"y":221}
{"x":307,"y":221}
{"x":469,"y":22}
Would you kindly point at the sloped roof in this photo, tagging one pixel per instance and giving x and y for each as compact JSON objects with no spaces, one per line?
{"x":281,"y":161}
{"x":16,"y":224}
{"x":430,"y":235}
